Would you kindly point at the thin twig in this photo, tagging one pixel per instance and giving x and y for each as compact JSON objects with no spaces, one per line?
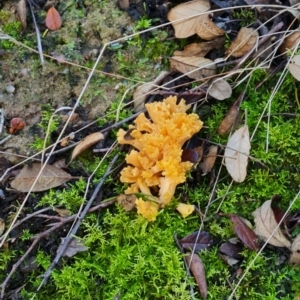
{"x":38,"y":36}
{"x":76,"y":226}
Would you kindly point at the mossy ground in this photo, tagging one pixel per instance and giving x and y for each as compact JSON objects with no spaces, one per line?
{"x":139,"y":260}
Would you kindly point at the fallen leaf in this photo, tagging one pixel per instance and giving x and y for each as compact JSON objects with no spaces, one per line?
{"x":197,"y":269}
{"x":74,"y":247}
{"x":197,"y":241}
{"x":295,"y":249}
{"x":2,"y":226}
{"x":207,"y":29}
{"x":244,"y":233}
{"x":60,"y":164}
{"x":53,"y":20}
{"x":190,"y":10}
{"x":265,"y":224}
{"x":200,"y":49}
{"x":194,"y":67}
{"x":50,"y":177}
{"x":185,"y":209}
{"x":236,"y":154}
{"x":220,"y":89}
{"x":63,"y":212}
{"x":229,"y":120}
{"x":294,"y":67}
{"x":86,"y":143}
{"x":127,"y":201}
{"x":22,"y":12}
{"x":232,"y":249}
{"x":15,"y":125}
{"x":243,"y":43}
{"x":209,"y":160}
{"x":189,"y":155}
{"x":123,"y":4}
{"x":141,"y":93}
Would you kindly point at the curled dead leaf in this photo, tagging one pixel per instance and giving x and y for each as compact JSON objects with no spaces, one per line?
{"x":86,"y":143}
{"x":201,"y":49}
{"x":290,"y":42}
{"x":50,"y":177}
{"x":15,"y":125}
{"x":127,"y":201}
{"x":243,"y":43}
{"x":236,"y":154}
{"x":265,"y":224}
{"x":192,"y":11}
{"x":207,"y":29}
{"x":232,"y":118}
{"x":220,"y":89}
{"x":194,"y":67}
{"x":209,"y":160}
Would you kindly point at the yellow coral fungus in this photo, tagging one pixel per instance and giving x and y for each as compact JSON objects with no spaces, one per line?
{"x":147,"y":209}
{"x":157,"y":163}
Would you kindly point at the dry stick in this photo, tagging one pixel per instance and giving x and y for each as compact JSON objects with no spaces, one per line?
{"x":28,"y":217}
{"x":38,"y":237}
{"x":38,"y":36}
{"x":77,"y":224}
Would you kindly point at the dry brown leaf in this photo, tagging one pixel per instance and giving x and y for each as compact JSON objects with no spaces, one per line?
{"x":207,"y":29}
{"x":51,"y":177}
{"x":60,"y":164}
{"x":295,"y":249}
{"x":265,"y":223}
{"x":209,"y":160}
{"x":192,"y":9}
{"x":232,"y":118}
{"x":290,"y":41}
{"x":63,"y":212}
{"x":127,"y":201}
{"x":86,"y":143}
{"x":243,"y":43}
{"x":22,"y":12}
{"x":201,"y":49}
{"x":140,"y":94}
{"x":2,"y":226}
{"x":197,"y":269}
{"x":53,"y":20}
{"x":294,"y":67}
{"x":237,"y":153}
{"x":202,"y":67}
{"x":220,"y":89}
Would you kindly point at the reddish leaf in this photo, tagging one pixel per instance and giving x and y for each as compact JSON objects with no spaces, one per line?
{"x":189,"y":155}
{"x":15,"y":125}
{"x":245,"y":233}
{"x":53,"y":20}
{"x":197,"y":269}
{"x":204,"y":241}
{"x":278,"y":213}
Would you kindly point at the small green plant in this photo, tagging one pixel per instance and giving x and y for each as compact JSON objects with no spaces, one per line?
{"x":49,"y":124}
{"x":245,"y":16}
{"x":70,"y":198}
{"x":26,"y":235}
